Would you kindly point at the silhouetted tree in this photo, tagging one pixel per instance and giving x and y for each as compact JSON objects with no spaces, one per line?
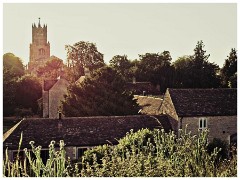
{"x":122,"y":65}
{"x":80,"y":55}
{"x":229,"y":70}
{"x":53,"y":68}
{"x":28,"y":90}
{"x":13,"y":64}
{"x":156,"y":68}
{"x":103,"y":94}
{"x":196,"y":71}
{"x":12,"y":70}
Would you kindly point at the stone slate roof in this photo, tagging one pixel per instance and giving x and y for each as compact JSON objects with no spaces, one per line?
{"x":48,"y":84}
{"x":204,"y":102}
{"x":149,"y":105}
{"x":80,"y":131}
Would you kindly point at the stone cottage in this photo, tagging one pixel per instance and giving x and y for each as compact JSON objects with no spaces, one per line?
{"x":215,"y":109}
{"x":53,"y":93}
{"x":78,"y":133}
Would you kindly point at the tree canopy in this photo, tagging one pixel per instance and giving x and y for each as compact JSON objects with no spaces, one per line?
{"x":83,"y":54}
{"x":29,"y":90}
{"x":156,"y":68}
{"x":196,"y":71}
{"x":19,"y":91}
{"x":103,"y":94}
{"x":53,"y":68}
{"x":13,"y":64}
{"x":122,"y":65}
{"x":229,"y":70}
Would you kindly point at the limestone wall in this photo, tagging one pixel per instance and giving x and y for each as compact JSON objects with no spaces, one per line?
{"x":219,"y":126}
{"x":167,"y":107}
{"x":56,"y":95}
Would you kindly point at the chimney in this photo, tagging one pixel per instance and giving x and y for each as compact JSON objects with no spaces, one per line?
{"x":59,"y":115}
{"x":59,"y":125}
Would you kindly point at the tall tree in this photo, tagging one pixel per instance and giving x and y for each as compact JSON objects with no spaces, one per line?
{"x":122,"y":65}
{"x":13,"y":64}
{"x":229,"y":70}
{"x":103,"y":94}
{"x":203,"y":73}
{"x":181,"y":75}
{"x":53,"y":68}
{"x":9,"y":92}
{"x":12,"y":70}
{"x":83,"y":54}
{"x":156,"y":68}
{"x":196,"y":71}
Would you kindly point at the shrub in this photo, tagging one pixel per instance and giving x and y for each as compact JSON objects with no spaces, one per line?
{"x":143,"y":153}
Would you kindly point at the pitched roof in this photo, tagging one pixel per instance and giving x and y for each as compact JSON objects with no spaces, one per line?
{"x":48,"y":84}
{"x":149,"y":105}
{"x":80,"y":131}
{"x":204,"y":102}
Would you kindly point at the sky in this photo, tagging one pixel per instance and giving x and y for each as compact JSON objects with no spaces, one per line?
{"x":124,"y":29}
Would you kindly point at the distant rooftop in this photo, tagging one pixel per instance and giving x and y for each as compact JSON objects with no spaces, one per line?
{"x":149,"y":105}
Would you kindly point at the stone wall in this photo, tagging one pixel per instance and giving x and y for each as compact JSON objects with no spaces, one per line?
{"x":56,"y":95}
{"x":71,"y":152}
{"x":45,"y":103}
{"x":219,"y":126}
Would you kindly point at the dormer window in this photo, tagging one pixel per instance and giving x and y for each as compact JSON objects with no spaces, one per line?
{"x":202,"y":123}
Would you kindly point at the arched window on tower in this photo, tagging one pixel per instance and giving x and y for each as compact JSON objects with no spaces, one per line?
{"x":41,"y":51}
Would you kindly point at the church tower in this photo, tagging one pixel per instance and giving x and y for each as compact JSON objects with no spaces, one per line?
{"x":39,"y":48}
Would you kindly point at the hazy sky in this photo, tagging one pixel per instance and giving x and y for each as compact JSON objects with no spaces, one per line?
{"x":119,"y":29}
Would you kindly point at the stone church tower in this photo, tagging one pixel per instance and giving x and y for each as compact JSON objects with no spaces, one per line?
{"x":39,"y":48}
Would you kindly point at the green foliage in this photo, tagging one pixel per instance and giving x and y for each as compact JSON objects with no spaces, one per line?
{"x":13,"y":64}
{"x":182,"y":65}
{"x":157,"y":154}
{"x":9,"y":92}
{"x":156,"y":68}
{"x":23,"y":112}
{"x":19,"y":91}
{"x":52,"y":69}
{"x":196,"y":71}
{"x":33,"y":166}
{"x":80,"y":55}
{"x":229,"y":70}
{"x":103,"y":94}
{"x":122,"y":65}
{"x":28,"y":91}
{"x":12,"y":70}
{"x":143,"y":153}
{"x":223,"y":145}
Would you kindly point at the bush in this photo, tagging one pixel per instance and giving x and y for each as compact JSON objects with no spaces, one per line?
{"x":143,"y":153}
{"x":23,"y":112}
{"x":222,"y":145}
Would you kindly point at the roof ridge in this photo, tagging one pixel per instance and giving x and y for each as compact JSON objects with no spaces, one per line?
{"x":10,"y":131}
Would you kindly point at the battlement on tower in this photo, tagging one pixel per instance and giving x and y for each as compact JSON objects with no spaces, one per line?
{"x":39,"y":48}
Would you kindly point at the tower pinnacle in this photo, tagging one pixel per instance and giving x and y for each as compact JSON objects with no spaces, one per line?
{"x":39,"y":21}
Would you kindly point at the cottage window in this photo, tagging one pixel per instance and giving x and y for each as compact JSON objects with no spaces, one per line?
{"x":202,"y":123}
